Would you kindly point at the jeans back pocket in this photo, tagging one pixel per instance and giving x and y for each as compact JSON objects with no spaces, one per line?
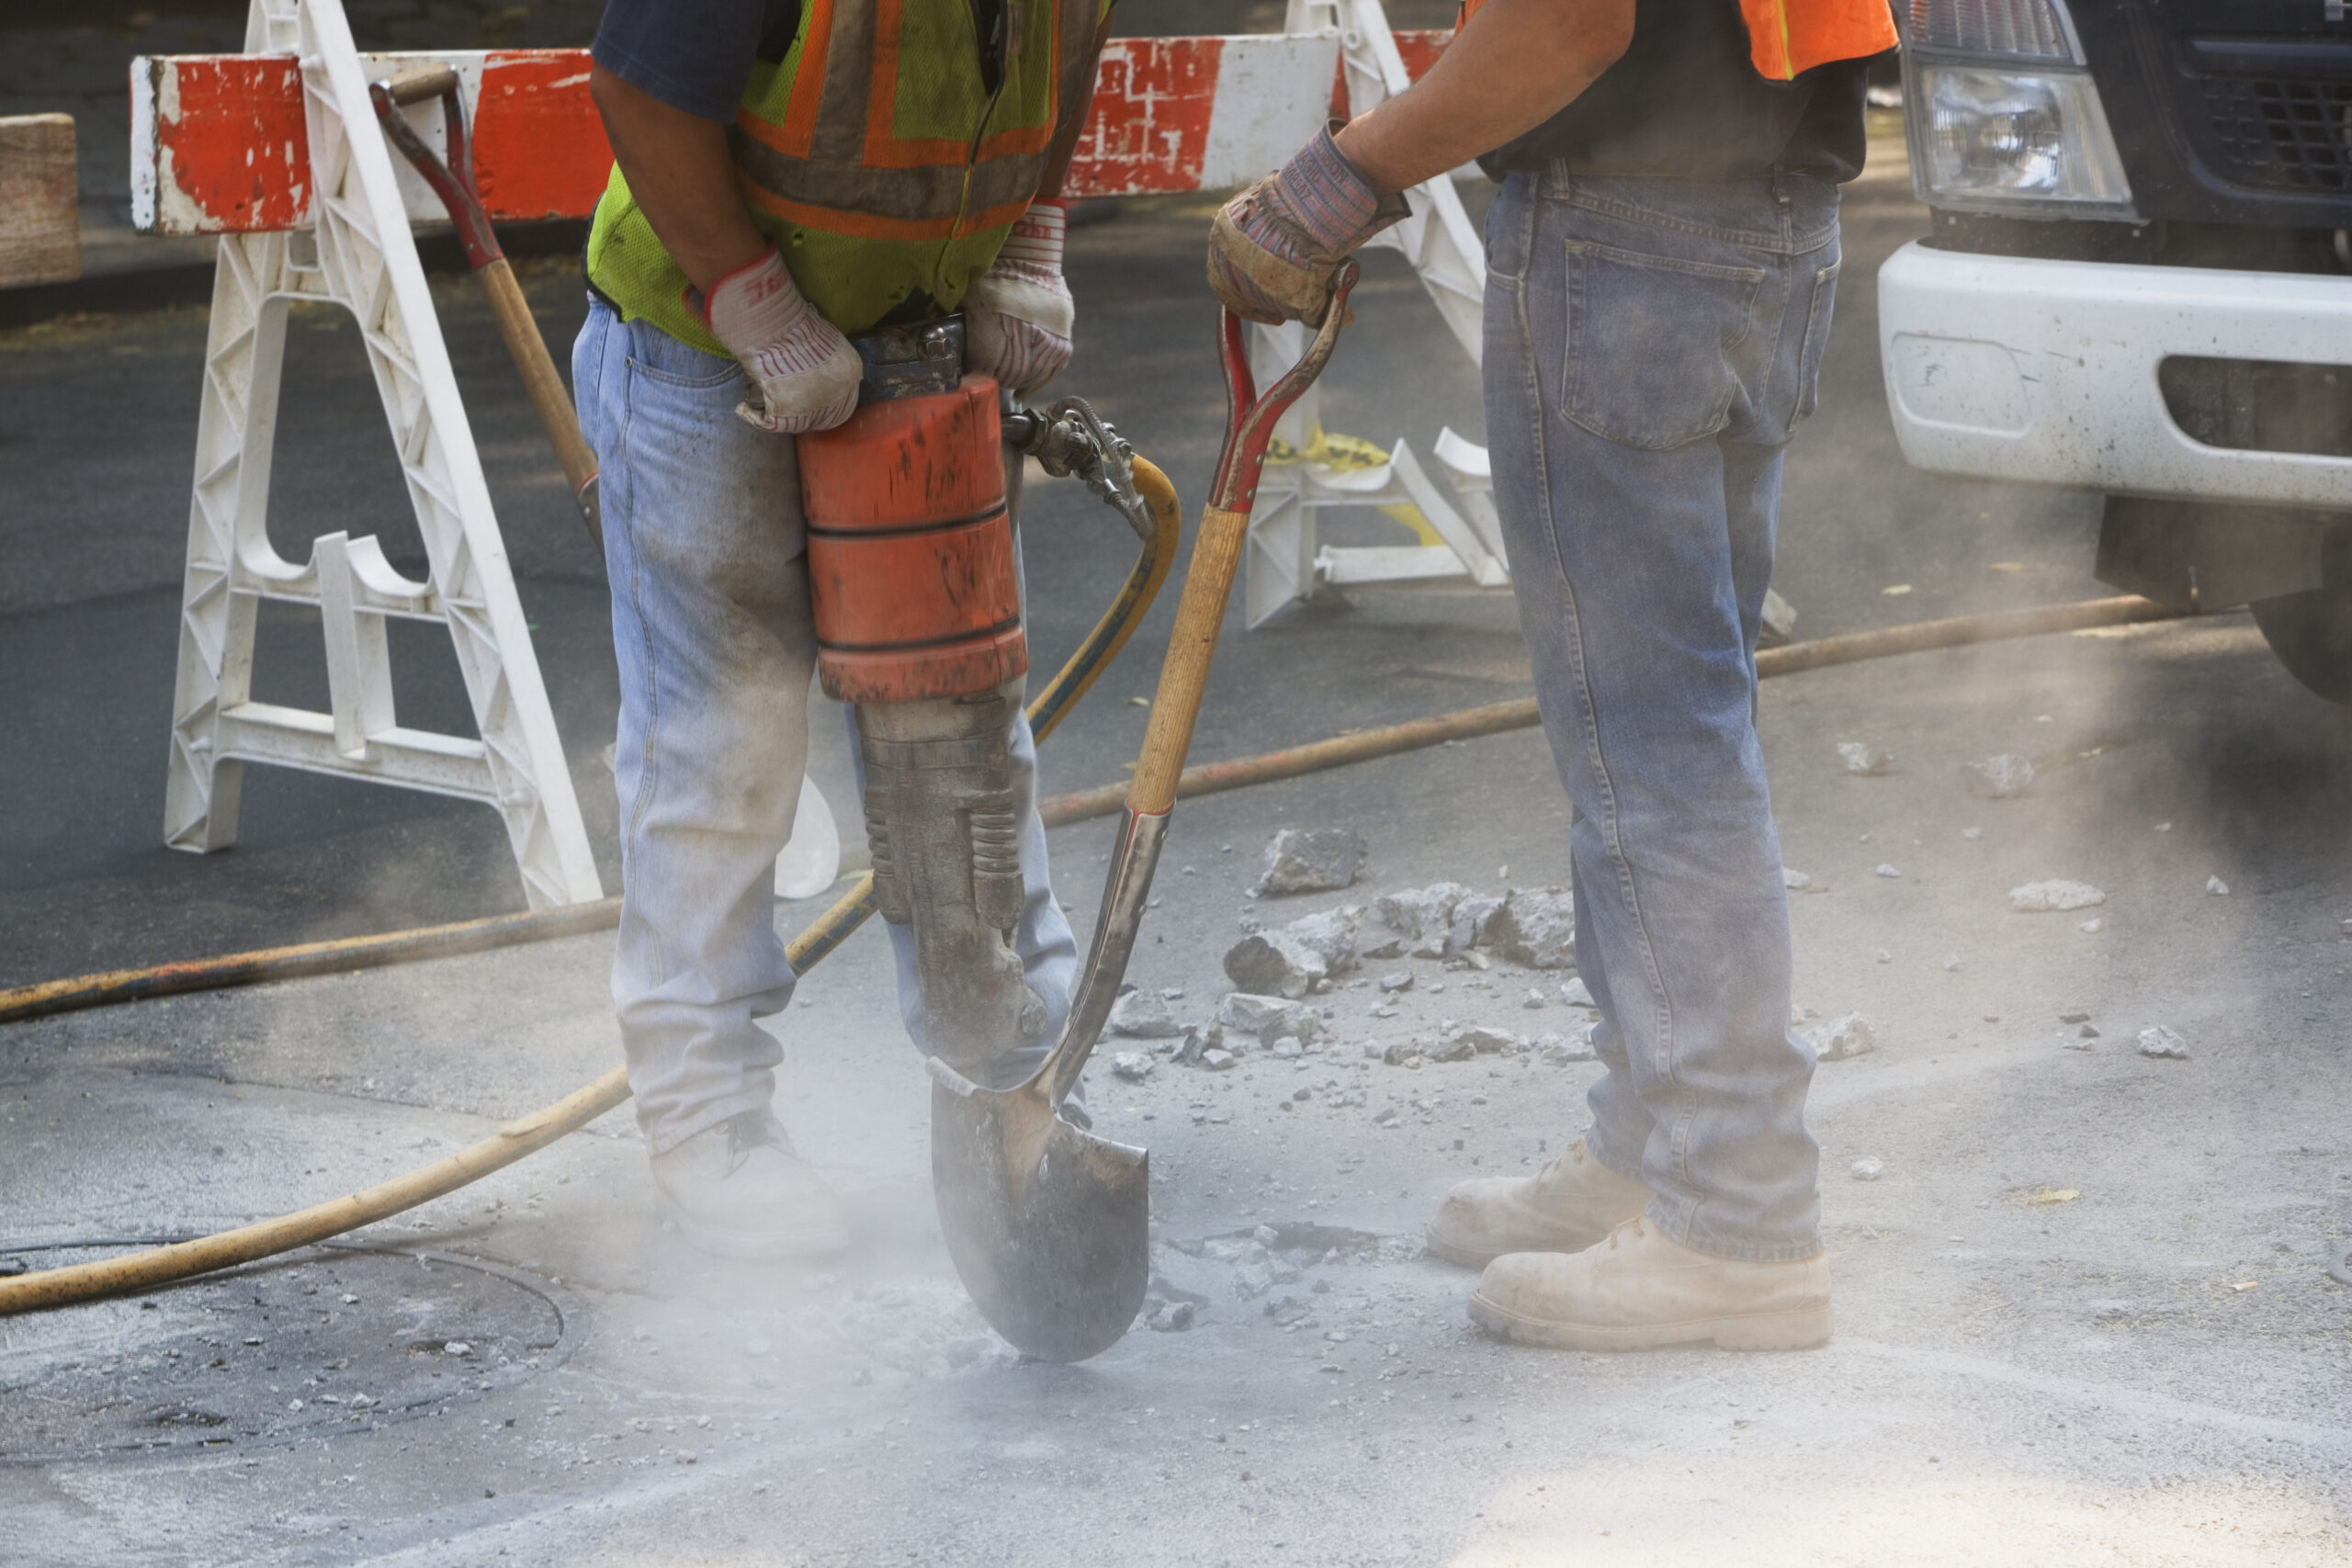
{"x":1816,"y":338}
{"x":1652,"y":341}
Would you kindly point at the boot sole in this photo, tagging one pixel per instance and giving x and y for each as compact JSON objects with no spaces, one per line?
{"x":1798,"y":1328}
{"x":752,"y":1246}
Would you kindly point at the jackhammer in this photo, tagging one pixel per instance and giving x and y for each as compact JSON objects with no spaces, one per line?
{"x":915,"y":580}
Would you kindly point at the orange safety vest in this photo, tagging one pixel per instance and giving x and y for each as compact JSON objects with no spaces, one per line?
{"x":1786,"y":37}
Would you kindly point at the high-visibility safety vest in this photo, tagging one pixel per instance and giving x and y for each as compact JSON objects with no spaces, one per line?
{"x":877,"y":155}
{"x":1787,"y":37}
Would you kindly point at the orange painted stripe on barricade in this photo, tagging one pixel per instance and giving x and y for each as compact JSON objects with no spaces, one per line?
{"x":230,"y":154}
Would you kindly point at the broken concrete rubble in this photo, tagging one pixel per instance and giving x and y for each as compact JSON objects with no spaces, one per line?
{"x":1316,"y":860}
{"x":2158,"y":1040}
{"x":1133,"y":1066}
{"x":1842,"y":1038}
{"x":1143,"y":1015}
{"x":1422,"y":917}
{"x":1537,"y":927}
{"x":1868,"y":1168}
{"x":1333,"y":934}
{"x":2001,"y":777}
{"x":1267,"y":1019}
{"x":1560,"y":1049}
{"x":1274,"y":964}
{"x":1861,"y":757}
{"x":2053,"y":897}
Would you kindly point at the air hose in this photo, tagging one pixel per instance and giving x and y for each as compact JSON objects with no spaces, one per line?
{"x":527,"y":1135}
{"x":62,"y":1287}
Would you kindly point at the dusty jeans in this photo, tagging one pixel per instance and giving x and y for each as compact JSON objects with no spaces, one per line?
{"x":703,"y":544}
{"x":1650,"y":344}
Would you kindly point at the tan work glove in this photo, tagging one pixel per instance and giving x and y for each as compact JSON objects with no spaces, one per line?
{"x":1273,"y":249}
{"x":1017,"y":317}
{"x":804,"y":371}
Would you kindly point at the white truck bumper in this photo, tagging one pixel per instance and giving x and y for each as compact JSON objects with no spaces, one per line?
{"x":2044,"y":372}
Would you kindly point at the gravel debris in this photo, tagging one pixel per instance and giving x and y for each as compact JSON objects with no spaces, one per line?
{"x":1532,"y":1002}
{"x":1869,"y":1167}
{"x":1577,"y":994}
{"x":2053,"y":897}
{"x":1333,"y":934}
{"x":1133,"y":1066}
{"x":2001,"y":777}
{"x":1559,"y":1050}
{"x":2159,"y":1041}
{"x":1536,"y":928}
{"x":2217,"y":887}
{"x":1861,"y":757}
{"x":1143,"y":1015}
{"x":1842,"y":1038}
{"x":1794,"y":881}
{"x":1316,"y":861}
{"x":1268,"y":1018}
{"x":1402,"y":980}
{"x":1887,"y":871}
{"x":1422,"y":917}
{"x":1274,"y":964}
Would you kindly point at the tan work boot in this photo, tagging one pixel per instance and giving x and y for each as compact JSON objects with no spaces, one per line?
{"x":1565,"y":1207}
{"x":1638,"y":1291}
{"x":737,"y":1191}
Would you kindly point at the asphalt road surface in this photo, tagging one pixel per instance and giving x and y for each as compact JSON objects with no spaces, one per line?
{"x":2085,"y":1313}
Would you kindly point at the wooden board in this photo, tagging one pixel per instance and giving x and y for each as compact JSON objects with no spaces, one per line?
{"x":40,"y":224}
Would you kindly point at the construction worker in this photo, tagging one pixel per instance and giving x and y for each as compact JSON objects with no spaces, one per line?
{"x":784,"y":178}
{"x":1661,"y":265}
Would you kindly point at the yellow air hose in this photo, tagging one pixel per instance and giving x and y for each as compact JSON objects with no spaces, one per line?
{"x":142,"y":1270}
{"x":527,"y":1135}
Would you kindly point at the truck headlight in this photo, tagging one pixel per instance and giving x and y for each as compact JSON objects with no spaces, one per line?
{"x":1998,"y":138}
{"x":2002,"y":116}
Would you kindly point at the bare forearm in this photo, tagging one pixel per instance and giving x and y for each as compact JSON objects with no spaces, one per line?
{"x":1516,"y":64}
{"x":681,"y":176}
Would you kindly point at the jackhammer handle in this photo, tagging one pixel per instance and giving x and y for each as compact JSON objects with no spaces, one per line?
{"x":1217,"y":550}
{"x":529,"y":351}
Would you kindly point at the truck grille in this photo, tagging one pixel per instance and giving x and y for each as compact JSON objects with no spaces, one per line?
{"x":2281,"y":133}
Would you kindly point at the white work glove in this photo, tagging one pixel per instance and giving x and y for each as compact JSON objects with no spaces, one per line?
{"x":804,"y":371}
{"x":1017,"y":317}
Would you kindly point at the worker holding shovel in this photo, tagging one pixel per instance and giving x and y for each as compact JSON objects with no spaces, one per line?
{"x":1661,"y":263}
{"x":786,"y":177}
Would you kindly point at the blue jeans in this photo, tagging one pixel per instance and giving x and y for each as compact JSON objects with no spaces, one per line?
{"x":711,"y":629}
{"x":1650,"y":345}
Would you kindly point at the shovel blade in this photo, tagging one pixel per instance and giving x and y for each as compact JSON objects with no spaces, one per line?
{"x":1056,"y":1256}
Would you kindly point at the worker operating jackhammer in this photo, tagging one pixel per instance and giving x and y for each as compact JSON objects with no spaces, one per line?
{"x":787,"y":179}
{"x":1661,"y":265}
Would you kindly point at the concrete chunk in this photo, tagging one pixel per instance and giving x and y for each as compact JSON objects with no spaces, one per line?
{"x":1268,"y":1018}
{"x":1861,"y":757}
{"x":2053,"y":897}
{"x":1537,"y":927}
{"x":1333,"y":934}
{"x":2156,"y":1040}
{"x":1273,"y":963}
{"x":2000,"y":777}
{"x":1842,"y":1038}
{"x":1143,"y":1015}
{"x":1316,"y":860}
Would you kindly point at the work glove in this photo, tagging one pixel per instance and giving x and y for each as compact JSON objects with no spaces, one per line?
{"x":804,"y":371}
{"x":1273,"y":248}
{"x":1017,"y":317}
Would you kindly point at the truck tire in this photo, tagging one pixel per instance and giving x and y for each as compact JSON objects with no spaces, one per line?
{"x":2312,"y":635}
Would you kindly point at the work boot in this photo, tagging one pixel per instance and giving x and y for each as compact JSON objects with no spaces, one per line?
{"x":1568,"y":1205}
{"x":1638,"y":1291}
{"x":737,"y":1190}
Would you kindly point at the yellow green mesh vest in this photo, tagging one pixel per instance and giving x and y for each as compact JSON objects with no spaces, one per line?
{"x":876,"y":157}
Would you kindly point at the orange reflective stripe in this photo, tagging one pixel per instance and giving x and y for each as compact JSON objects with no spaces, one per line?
{"x":1788,"y":38}
{"x":798,"y":131}
{"x":875,"y":226}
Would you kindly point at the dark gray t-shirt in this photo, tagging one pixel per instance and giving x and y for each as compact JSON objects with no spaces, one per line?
{"x":1685,"y":103}
{"x":693,"y":55}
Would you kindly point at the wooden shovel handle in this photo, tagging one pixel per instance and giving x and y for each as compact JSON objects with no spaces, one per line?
{"x":529,"y":351}
{"x":1183,"y":677}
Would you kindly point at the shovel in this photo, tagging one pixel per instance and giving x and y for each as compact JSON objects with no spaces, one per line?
{"x":1048,"y":1223}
